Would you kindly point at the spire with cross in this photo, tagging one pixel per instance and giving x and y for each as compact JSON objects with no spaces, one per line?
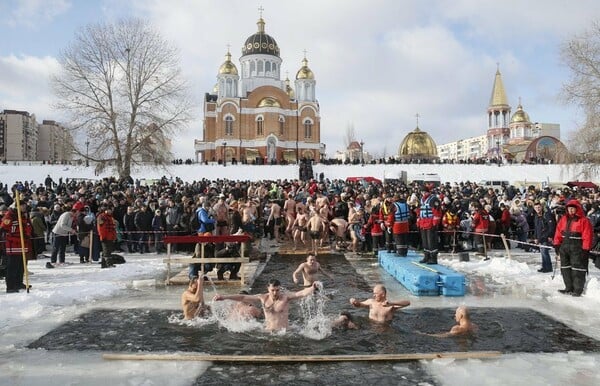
{"x":417,"y":115}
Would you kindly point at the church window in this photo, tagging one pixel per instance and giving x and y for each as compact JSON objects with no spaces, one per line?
{"x":252,"y":68}
{"x":307,"y":128}
{"x":229,"y":90}
{"x":260,"y":67}
{"x":229,"y":125}
{"x":274,"y":67}
{"x":281,"y":124}
{"x":267,"y":67}
{"x":260,"y":126}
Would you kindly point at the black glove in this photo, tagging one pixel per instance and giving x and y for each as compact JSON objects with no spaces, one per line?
{"x":557,"y":249}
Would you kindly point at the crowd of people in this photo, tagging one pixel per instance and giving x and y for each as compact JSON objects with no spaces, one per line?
{"x":99,"y":217}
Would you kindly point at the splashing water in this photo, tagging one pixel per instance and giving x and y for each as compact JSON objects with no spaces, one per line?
{"x":316,"y":325}
{"x":227,"y":315}
{"x":212,"y":284}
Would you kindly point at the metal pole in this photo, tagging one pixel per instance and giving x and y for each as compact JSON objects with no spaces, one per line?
{"x":87,"y":152}
{"x":22,"y":236}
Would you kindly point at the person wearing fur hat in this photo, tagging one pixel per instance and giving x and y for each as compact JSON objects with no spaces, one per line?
{"x":572,"y":242}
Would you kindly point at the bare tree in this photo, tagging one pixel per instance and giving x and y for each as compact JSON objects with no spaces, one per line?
{"x":350,"y":135}
{"x":121,"y":87}
{"x":581,"y":55}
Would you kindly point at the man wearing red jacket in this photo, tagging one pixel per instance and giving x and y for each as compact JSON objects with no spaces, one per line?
{"x":13,"y":250}
{"x":374,"y":227}
{"x":428,"y":221}
{"x":107,"y":230}
{"x":572,"y":241}
{"x":480,"y":224}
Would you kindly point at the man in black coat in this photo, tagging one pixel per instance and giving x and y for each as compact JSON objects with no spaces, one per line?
{"x":544,"y":227}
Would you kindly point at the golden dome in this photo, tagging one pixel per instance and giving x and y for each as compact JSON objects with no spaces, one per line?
{"x":269,"y":102}
{"x":418,"y":145}
{"x":228,"y":68}
{"x":304,"y":72}
{"x":520,"y":116}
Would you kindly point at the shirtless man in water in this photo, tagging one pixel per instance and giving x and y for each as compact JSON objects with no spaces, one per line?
{"x":464,"y":325}
{"x":276,"y":305}
{"x":192,"y":303}
{"x":192,"y":299}
{"x":310,"y":268}
{"x":380,"y":309}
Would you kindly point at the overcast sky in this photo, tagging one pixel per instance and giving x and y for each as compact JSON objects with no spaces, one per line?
{"x":377,"y":63}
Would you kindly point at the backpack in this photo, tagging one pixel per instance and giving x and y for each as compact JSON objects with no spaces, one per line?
{"x":194,"y":222}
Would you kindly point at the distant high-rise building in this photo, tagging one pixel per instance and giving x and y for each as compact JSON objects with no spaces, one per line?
{"x":19,"y":136}
{"x":55,"y":143}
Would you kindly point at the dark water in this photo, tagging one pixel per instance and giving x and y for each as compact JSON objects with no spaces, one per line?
{"x":508,"y":330}
{"x":500,"y":329}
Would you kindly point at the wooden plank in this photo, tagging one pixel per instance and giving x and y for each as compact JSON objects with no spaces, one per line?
{"x":206,"y":260}
{"x":206,"y":239}
{"x":303,"y":358}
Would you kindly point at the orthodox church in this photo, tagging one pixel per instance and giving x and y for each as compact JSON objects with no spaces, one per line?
{"x":253,"y":116}
{"x":514,"y":137}
{"x":510,"y":137}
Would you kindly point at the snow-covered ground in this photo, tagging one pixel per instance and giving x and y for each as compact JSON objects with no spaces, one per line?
{"x":61,"y":294}
{"x":515,"y":174}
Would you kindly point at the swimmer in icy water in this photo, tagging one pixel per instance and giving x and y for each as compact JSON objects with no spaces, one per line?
{"x":192,"y":299}
{"x":380,"y":309}
{"x":275,"y":303}
{"x":192,"y":303}
{"x":309,"y":269}
{"x":463,"y":327}
{"x":345,"y":322}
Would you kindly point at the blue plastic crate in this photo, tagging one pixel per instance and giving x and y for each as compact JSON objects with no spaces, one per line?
{"x":422,"y":279}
